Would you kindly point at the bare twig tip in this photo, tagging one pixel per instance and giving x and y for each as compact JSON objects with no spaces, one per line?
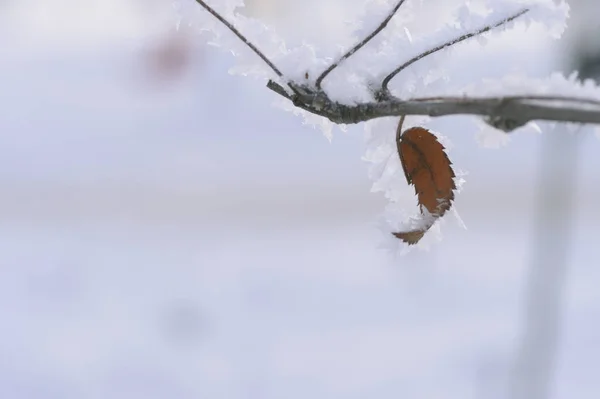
{"x":358,"y":46}
{"x":449,"y":43}
{"x":240,"y":36}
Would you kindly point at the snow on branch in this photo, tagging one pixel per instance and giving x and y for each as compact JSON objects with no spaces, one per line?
{"x":361,"y":44}
{"x":388,"y":78}
{"x":240,"y":36}
{"x":504,"y":112}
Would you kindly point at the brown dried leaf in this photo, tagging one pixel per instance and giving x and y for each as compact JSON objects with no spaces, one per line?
{"x":410,"y":237}
{"x":427,"y":167}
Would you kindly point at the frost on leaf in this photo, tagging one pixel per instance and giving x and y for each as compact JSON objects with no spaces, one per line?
{"x":427,"y":167}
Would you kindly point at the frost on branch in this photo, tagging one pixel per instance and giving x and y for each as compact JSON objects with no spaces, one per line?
{"x":399,"y":68}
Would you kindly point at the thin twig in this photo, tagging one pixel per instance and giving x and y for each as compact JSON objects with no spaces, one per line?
{"x":359,"y":45}
{"x":386,"y":81}
{"x":241,"y":37}
{"x":297,"y":99}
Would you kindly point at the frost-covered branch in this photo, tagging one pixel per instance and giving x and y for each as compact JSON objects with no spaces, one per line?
{"x":487,"y":28}
{"x":240,"y":36}
{"x":361,"y":44}
{"x":505,"y":113}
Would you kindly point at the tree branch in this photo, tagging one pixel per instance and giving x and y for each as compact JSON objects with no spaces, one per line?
{"x":388,"y":78}
{"x":240,"y":36}
{"x":354,"y":49}
{"x":505,"y":113}
{"x":508,"y":111}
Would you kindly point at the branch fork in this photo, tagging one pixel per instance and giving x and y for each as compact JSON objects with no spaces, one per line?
{"x":505,"y":113}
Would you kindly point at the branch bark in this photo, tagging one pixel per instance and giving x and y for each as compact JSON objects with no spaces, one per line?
{"x":505,"y":113}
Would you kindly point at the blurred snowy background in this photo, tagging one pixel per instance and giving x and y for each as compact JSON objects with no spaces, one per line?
{"x":166,"y":233}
